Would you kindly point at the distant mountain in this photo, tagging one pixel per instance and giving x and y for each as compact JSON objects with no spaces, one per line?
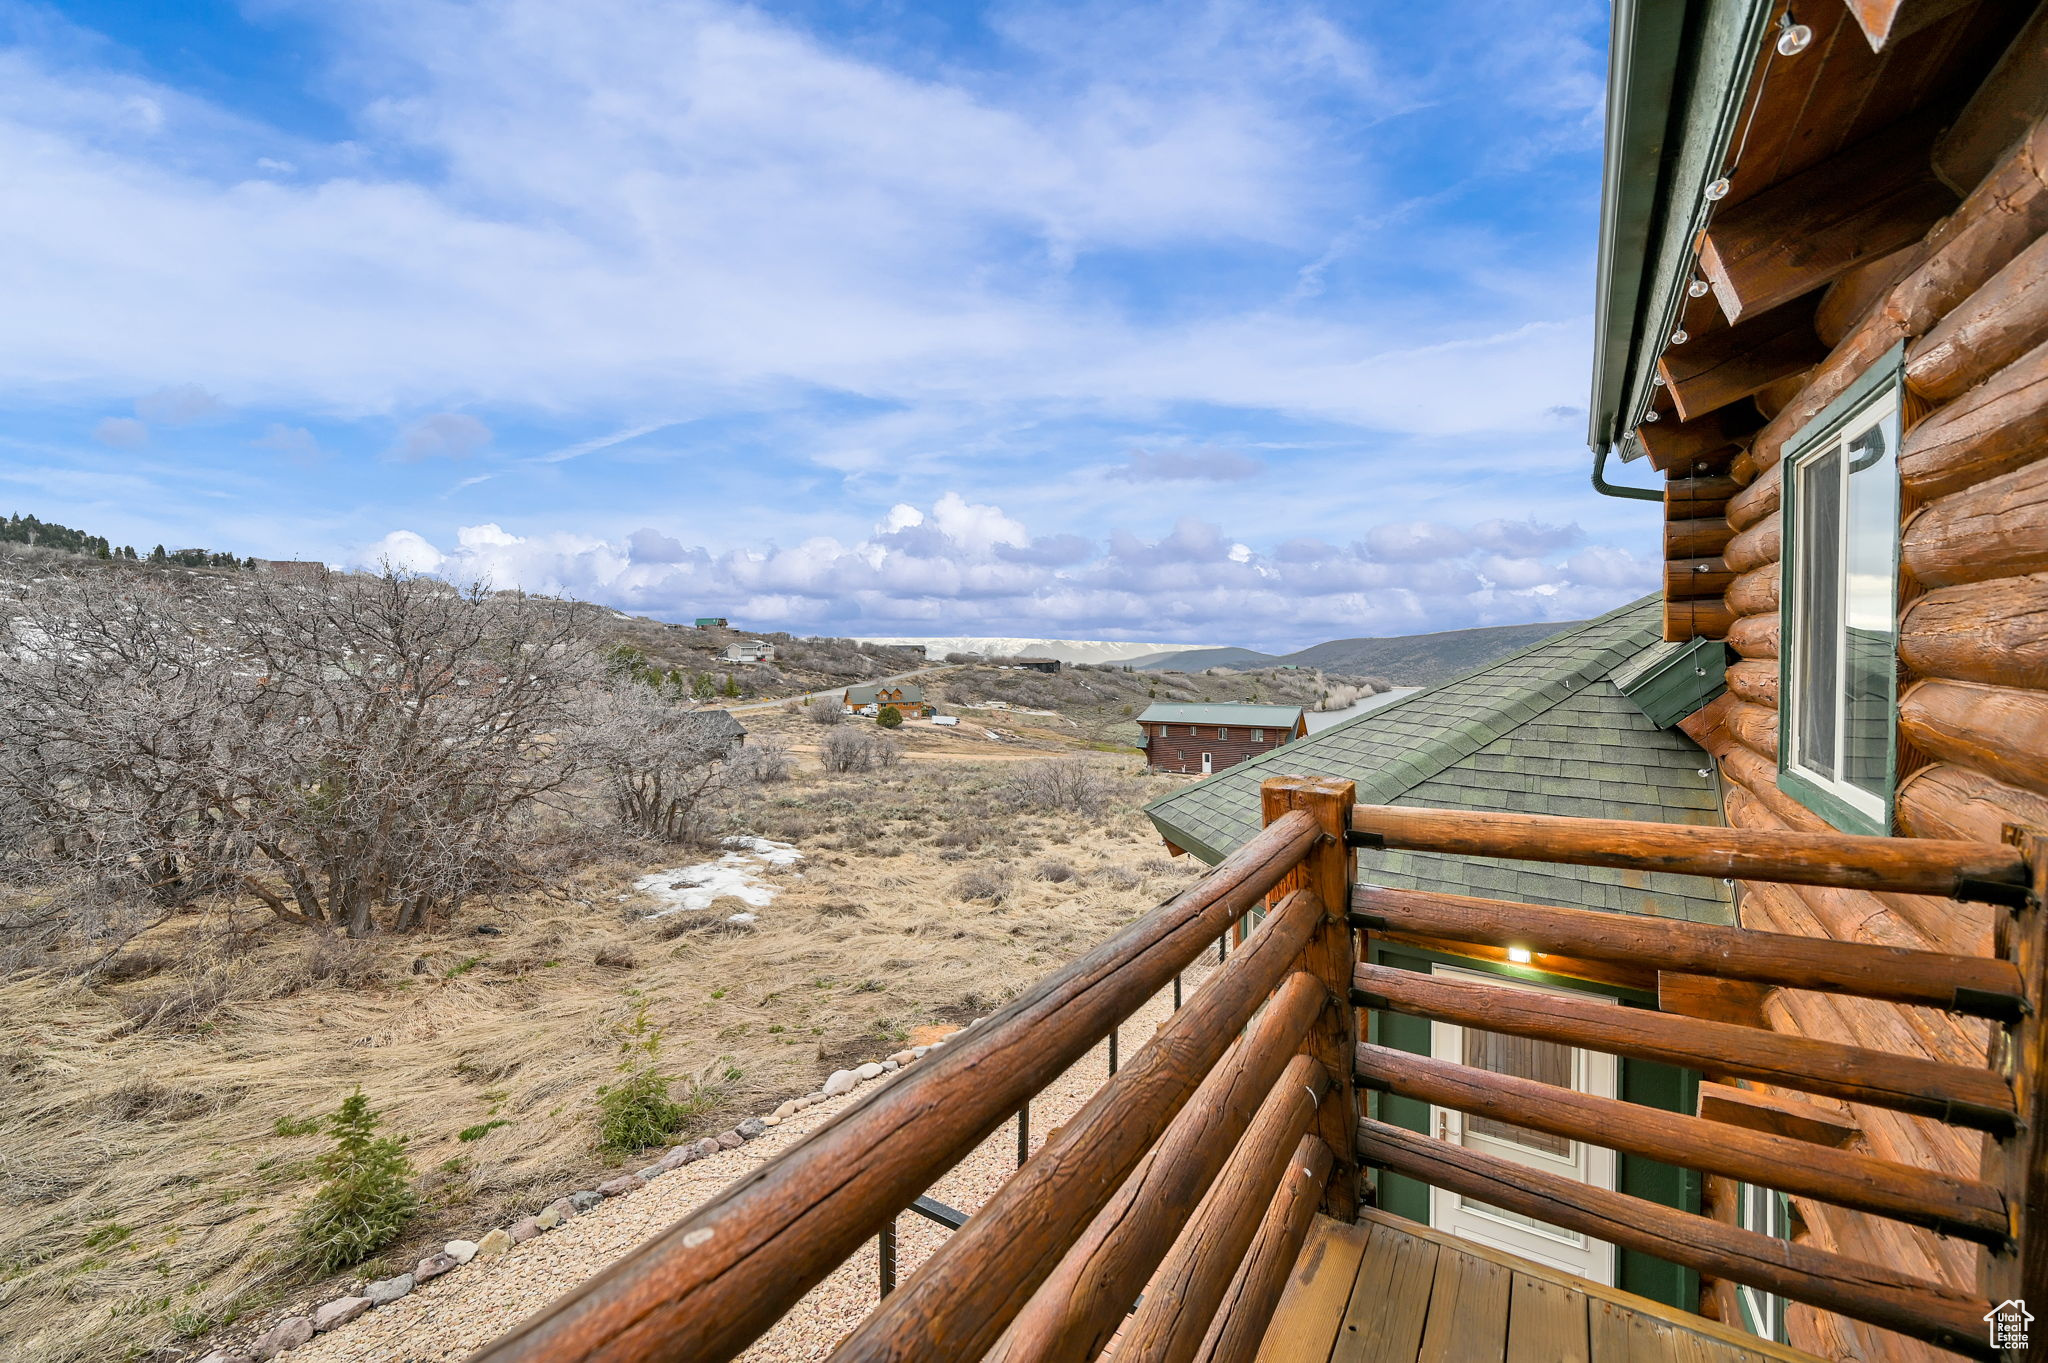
{"x":1405,"y":660}
{"x":1066,"y":650}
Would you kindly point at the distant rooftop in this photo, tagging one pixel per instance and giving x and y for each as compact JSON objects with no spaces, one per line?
{"x":1173,"y":712}
{"x":1543,"y":731}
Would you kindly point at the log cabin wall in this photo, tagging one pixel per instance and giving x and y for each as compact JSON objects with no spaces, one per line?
{"x":1179,"y":747}
{"x":1968,"y":297}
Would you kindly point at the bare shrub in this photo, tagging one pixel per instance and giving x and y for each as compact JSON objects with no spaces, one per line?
{"x":658,"y":763}
{"x":766,"y":762}
{"x":1058,"y":872}
{"x":184,"y":1005}
{"x":1072,"y":785}
{"x":986,"y":883}
{"x":825,"y":710}
{"x":855,"y":750}
{"x":370,"y":740}
{"x":1119,"y":878}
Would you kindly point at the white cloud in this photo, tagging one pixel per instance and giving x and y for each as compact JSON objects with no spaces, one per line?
{"x":966,"y":567}
{"x":293,"y":440}
{"x":454,"y":435}
{"x":183,"y":405}
{"x":121,"y":433}
{"x":1211,"y":465}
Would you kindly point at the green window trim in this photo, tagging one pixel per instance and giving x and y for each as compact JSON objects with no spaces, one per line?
{"x":1666,"y":1087}
{"x":1887,"y":374}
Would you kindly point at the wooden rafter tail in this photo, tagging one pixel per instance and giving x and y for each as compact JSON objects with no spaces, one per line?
{"x":711,"y":1284}
{"x":2018,"y":1163}
{"x":1925,"y":1310}
{"x":1900,"y":1192}
{"x":1954,"y":1094}
{"x":1975,"y":985}
{"x":1174,"y":1318}
{"x":960,"y":1301}
{"x":1951,"y":870}
{"x":1079,"y":1307}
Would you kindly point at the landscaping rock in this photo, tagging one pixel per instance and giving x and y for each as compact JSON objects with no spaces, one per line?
{"x":842,"y":1081}
{"x":651,"y":1172}
{"x":586,"y":1199}
{"x":751,"y":1129}
{"x":868,"y":1071}
{"x":788,"y":1109}
{"x":492,"y":1245}
{"x":708,"y":1147}
{"x":433,"y":1266}
{"x":620,"y":1186}
{"x":461,"y":1251}
{"x":340,"y":1311}
{"x":730,"y":1140}
{"x":385,"y":1291}
{"x":550,"y":1218}
{"x":919,"y":1051}
{"x":288,"y":1333}
{"x":890,"y":1067}
{"x":904,"y":1057}
{"x":678,"y":1157}
{"x":771,"y":1121}
{"x":524,"y":1229}
{"x":227,"y":1356}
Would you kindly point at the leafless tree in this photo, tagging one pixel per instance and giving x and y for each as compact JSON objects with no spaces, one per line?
{"x":327,"y":749}
{"x":658,"y":764}
{"x":857,"y":750}
{"x":1070,"y":784}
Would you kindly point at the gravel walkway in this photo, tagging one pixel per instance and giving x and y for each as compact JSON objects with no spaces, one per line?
{"x":449,"y":1318}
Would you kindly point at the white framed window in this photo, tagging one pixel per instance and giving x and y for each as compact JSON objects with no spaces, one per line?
{"x":1838,"y":670}
{"x":1222,"y":732}
{"x":1258,"y":735}
{"x":1766,"y":1212}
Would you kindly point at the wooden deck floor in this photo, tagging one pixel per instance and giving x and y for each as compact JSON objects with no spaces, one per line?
{"x":1390,"y":1291}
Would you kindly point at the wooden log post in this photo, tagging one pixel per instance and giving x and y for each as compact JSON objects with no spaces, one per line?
{"x":1328,"y":870}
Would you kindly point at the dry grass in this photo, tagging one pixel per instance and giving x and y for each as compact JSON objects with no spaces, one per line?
{"x":149,"y":1195}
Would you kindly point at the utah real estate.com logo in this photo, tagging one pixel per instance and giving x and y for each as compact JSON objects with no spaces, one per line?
{"x":2008,"y":1321}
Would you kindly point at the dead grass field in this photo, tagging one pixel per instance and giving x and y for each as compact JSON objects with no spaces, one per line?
{"x":149,"y":1192}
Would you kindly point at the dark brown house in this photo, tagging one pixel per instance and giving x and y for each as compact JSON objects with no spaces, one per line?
{"x":1200,"y":739}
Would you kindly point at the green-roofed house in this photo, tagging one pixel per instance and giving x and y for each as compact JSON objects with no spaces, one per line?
{"x":1194,"y":738}
{"x":1583,"y":724}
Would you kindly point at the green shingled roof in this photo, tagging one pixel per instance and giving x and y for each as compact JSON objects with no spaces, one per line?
{"x":1178,"y":712}
{"x":1543,"y":731}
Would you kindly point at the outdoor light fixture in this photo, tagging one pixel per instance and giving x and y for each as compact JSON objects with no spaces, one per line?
{"x":1698,"y":288}
{"x":1680,"y":336}
{"x":1520,"y":955}
{"x":1718,"y":190}
{"x":1793,"y":39}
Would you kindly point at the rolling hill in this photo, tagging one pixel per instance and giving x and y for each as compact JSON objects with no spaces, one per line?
{"x":1404,"y":660}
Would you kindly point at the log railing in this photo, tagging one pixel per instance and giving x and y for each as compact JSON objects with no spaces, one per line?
{"x":1199,"y":1163}
{"x":2004,"y":1100}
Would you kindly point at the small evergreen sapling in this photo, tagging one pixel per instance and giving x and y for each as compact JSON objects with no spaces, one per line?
{"x":366,"y":1194}
{"x":636,"y":1112}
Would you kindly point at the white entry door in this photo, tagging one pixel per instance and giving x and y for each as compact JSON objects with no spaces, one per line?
{"x":1208,"y":763}
{"x":1547,"y":1062}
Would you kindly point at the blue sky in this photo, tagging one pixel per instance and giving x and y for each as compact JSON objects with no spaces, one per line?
{"x":1245,"y":323}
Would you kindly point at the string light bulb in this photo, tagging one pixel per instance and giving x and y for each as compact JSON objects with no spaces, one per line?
{"x":1718,"y":190}
{"x":1680,"y":336}
{"x":1649,"y":416}
{"x":1793,"y":39}
{"x":1697,"y":288}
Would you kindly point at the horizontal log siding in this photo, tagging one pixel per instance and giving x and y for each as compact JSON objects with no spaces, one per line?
{"x":1177,"y":750}
{"x":1975,"y":693}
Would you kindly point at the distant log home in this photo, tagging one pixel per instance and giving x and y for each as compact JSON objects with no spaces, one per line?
{"x":903,"y":696}
{"x":1200,"y":739}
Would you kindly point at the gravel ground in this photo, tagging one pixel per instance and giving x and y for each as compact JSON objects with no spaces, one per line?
{"x":449,"y":1318}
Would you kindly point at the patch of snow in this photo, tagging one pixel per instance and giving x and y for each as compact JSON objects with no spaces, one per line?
{"x":738,"y":874}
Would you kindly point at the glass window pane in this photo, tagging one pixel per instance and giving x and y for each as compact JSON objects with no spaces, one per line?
{"x":1544,"y":1061}
{"x":1870,"y":605}
{"x":1818,"y":603}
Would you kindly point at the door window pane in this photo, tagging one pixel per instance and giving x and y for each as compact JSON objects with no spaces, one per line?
{"x":1820,"y":609}
{"x":1547,"y":1062}
{"x":1869,"y":530}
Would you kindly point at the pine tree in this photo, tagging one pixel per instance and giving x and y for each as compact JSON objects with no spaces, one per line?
{"x":732,"y":686}
{"x":366,"y":1195}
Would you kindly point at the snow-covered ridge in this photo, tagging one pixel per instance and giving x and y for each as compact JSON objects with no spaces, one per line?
{"x":1066,"y":650}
